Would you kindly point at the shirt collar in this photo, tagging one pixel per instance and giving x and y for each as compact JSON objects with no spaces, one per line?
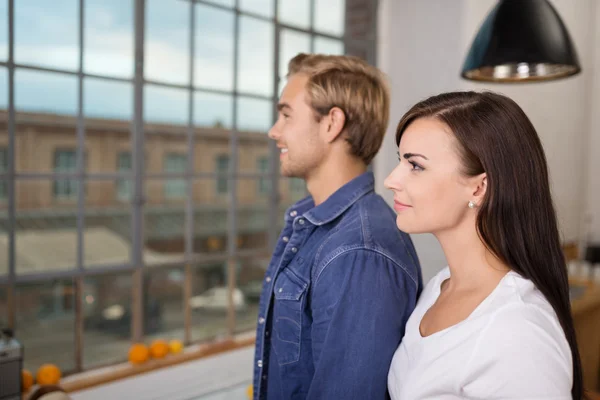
{"x":336,"y":204}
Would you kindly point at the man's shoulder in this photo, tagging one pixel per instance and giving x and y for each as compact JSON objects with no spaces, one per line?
{"x":369,"y":226}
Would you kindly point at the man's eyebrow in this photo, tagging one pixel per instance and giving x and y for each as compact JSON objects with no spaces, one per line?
{"x":283,"y":106}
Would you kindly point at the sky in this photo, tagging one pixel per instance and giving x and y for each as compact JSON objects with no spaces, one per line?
{"x":46,"y":35}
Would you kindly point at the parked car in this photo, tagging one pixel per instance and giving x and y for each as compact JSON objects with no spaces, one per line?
{"x":252,"y":290}
{"x":116,"y":318}
{"x":217,"y":300}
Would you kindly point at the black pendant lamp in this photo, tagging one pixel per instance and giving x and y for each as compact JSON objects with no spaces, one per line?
{"x":521,"y":41}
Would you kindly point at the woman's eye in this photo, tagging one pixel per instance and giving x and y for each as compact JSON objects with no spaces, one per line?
{"x":415,"y":166}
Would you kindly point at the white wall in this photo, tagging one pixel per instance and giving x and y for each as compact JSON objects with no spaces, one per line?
{"x":422,"y":46}
{"x":591,"y":219}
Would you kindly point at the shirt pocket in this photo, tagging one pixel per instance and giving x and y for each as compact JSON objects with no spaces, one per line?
{"x":290,"y":297}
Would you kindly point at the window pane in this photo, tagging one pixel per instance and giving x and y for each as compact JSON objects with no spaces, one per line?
{"x":261,"y":7}
{"x":252,"y":215}
{"x":209,"y":301}
{"x":210,"y":216}
{"x":292,"y":43}
{"x":108,"y":108}
{"x":167,"y":50}
{"x":264,"y":183}
{"x":165,"y":105}
{"x":226,"y":3}
{"x":329,"y":16}
{"x":107,"y":99}
{"x":295,"y":12}
{"x":65,"y":188}
{"x":3,"y":91}
{"x":175,"y":188}
{"x":46,"y":228}
{"x":46,"y":33}
{"x":44,"y":92}
{"x":213,"y":63}
{"x":250,"y":280}
{"x":164,"y":225}
{"x":3,"y":237}
{"x":107,"y":231}
{"x":222,"y":169}
{"x":213,"y":110}
{"x":163,"y":308}
{"x":3,"y":29}
{"x":254,"y":155}
{"x":39,"y":97}
{"x":3,"y":306}
{"x":254,"y":114}
{"x":325,"y":45}
{"x":255,"y":56}
{"x":166,"y":116}
{"x":125,"y":185}
{"x":45,"y":318}
{"x":108,"y":37}
{"x":107,"y":319}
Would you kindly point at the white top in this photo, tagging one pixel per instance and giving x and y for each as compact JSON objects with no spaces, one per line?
{"x":510,"y":347}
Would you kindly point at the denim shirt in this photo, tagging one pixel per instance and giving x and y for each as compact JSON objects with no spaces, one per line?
{"x":336,"y":296}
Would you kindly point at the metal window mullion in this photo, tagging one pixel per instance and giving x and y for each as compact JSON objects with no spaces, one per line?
{"x":372,"y":57}
{"x":189,"y":209}
{"x":80,"y":200}
{"x":11,"y":292}
{"x":65,"y":72}
{"x":232,"y":186}
{"x":312,"y":25}
{"x":137,"y":217}
{"x":273,"y":150}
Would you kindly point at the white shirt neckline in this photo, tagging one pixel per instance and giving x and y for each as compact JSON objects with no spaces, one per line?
{"x":442,"y":277}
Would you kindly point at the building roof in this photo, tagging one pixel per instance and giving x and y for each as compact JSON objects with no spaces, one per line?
{"x":56,"y":249}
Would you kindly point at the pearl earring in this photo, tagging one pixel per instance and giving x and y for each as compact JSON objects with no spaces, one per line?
{"x":471,"y":204}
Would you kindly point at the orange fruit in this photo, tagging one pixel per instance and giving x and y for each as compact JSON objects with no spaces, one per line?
{"x":249,"y":392}
{"x":175,"y":346}
{"x":26,"y":380}
{"x":48,"y":374}
{"x":138,"y":353}
{"x":159,"y":348}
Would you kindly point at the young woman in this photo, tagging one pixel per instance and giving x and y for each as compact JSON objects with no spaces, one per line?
{"x":495,"y":323}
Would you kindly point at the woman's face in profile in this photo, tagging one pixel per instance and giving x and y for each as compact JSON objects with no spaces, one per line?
{"x":431,"y":195}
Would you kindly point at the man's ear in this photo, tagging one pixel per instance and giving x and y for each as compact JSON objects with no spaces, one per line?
{"x":334,"y":123}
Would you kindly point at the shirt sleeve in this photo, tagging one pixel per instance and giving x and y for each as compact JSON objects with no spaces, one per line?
{"x":360,"y":304}
{"x":521,"y":354}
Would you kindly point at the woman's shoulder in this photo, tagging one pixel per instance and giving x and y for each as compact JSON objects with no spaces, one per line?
{"x":523,"y":322}
{"x":522,"y":347}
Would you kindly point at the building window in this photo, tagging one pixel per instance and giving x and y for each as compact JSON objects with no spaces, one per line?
{"x":264,"y":182}
{"x":65,"y":188}
{"x":175,"y":163}
{"x":124,"y":185}
{"x":3,"y":170}
{"x":222,"y":170}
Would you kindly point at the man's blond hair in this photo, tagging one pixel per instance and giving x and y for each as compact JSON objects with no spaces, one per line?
{"x":357,"y":88}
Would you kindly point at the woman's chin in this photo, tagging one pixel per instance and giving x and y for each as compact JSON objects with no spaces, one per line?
{"x":402,"y":224}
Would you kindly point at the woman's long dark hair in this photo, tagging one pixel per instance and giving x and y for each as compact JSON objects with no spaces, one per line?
{"x":516,"y":220}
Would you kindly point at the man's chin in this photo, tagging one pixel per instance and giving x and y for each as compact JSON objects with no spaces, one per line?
{"x":290,"y":173}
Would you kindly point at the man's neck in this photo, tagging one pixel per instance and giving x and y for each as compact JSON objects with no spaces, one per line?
{"x":329,"y":178}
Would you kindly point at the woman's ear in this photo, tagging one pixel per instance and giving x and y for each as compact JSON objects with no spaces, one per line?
{"x":479,"y":188}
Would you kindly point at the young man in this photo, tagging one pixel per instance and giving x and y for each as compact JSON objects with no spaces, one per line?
{"x":343,"y":279}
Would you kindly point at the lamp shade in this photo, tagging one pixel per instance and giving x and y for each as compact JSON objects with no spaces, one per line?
{"x":520,"y":41}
